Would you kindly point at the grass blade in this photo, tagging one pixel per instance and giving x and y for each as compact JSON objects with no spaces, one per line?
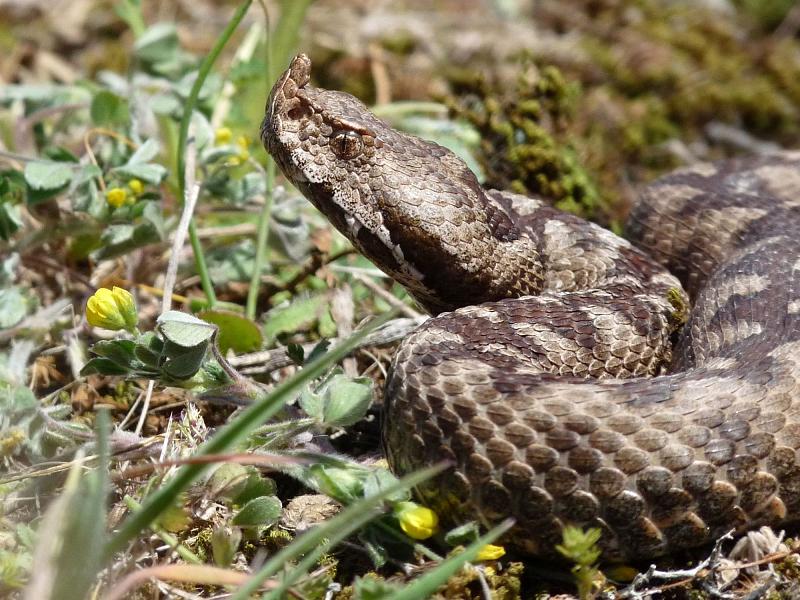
{"x":322,"y":538}
{"x":75,"y":520}
{"x":430,"y":582}
{"x":280,"y":45}
{"x":183,"y":133}
{"x":233,"y":433}
{"x":284,"y":38}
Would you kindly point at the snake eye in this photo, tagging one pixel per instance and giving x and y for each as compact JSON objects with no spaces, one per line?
{"x":346,"y":144}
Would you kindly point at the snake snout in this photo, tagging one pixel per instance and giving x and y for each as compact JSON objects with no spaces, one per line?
{"x":283,"y":97}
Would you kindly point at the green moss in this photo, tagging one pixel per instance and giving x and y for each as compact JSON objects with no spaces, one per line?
{"x":653,"y":76}
{"x":504,"y":584}
{"x":522,"y":149}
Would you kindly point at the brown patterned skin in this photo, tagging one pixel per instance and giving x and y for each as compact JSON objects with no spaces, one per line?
{"x":553,"y":386}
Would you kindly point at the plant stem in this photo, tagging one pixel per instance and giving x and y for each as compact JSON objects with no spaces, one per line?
{"x":183,"y":133}
{"x":262,"y":234}
{"x":280,"y":43}
{"x":262,"y":238}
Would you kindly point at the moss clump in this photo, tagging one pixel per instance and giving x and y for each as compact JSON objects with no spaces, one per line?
{"x":634,"y":102}
{"x":522,"y":146}
{"x":504,"y":584}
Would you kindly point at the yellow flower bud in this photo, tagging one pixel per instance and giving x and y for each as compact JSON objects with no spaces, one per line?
{"x":491,"y":552}
{"x":12,"y":441}
{"x":137,"y":187}
{"x":223,"y":135}
{"x":116,"y":197}
{"x":112,"y":309}
{"x":244,"y":153}
{"x":416,"y":521}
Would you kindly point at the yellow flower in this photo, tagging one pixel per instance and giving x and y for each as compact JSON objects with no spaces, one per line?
{"x":137,"y":187}
{"x":116,"y":197}
{"x":13,"y":440}
{"x":243,"y":144}
{"x":491,"y":552}
{"x":112,"y":309}
{"x":223,"y":135}
{"x":416,"y":521}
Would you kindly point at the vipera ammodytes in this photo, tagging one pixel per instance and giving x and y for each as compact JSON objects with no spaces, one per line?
{"x":553,"y":385}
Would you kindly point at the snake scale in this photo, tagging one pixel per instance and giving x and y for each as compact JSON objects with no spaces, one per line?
{"x":567,"y":375}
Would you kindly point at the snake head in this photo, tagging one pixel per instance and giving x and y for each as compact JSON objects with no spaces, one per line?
{"x":409,"y":205}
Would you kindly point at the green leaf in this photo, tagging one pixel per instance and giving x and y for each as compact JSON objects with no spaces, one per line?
{"x":184,"y":329}
{"x":256,"y":485}
{"x":165,"y":104}
{"x":376,"y":551}
{"x":121,"y":239}
{"x":296,"y":354}
{"x":159,"y":43}
{"x":108,"y":109}
{"x":148,"y":349}
{"x":17,"y":399}
{"x":13,"y":306}
{"x":152,"y":213}
{"x":10,"y":220}
{"x":144,"y":153}
{"x":379,"y":480}
{"x":236,"y":332}
{"x":102,"y":366}
{"x":259,"y":512}
{"x":224,"y":544}
{"x":42,"y":175}
{"x":130,"y":11}
{"x":312,"y":404}
{"x":120,"y":352}
{"x":86,"y":173}
{"x":369,"y":588}
{"x":346,"y":400}
{"x":12,"y":186}
{"x":344,"y":485}
{"x":297,"y":316}
{"x":149,"y":172}
{"x":341,"y":402}
{"x":464,"y":534}
{"x":319,"y":350}
{"x":228,"y":481}
{"x":183,"y":363}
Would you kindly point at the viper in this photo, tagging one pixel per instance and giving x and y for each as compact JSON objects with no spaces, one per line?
{"x":647,"y":386}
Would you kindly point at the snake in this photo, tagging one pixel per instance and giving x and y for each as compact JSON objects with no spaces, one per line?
{"x":648,"y":387}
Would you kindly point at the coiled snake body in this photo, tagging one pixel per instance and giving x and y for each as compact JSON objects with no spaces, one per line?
{"x":566,"y":377}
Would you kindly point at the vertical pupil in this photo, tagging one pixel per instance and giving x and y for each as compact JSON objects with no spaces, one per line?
{"x":346,"y":143}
